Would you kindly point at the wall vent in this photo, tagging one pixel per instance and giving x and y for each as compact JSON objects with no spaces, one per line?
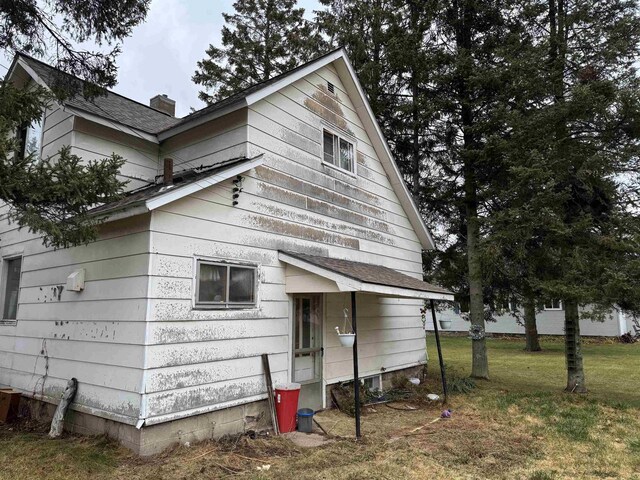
{"x":331,"y":87}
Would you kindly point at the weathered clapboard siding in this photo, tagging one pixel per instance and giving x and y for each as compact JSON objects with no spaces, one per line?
{"x":199,"y":358}
{"x":390,"y":336}
{"x":95,"y":142}
{"x":212,"y":357}
{"x":56,"y":131}
{"x":220,"y":139}
{"x":97,"y":335}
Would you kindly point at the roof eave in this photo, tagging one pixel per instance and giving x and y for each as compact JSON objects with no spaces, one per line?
{"x":382,"y":149}
{"x":349,"y":284}
{"x":121,"y":127}
{"x":177,"y":192}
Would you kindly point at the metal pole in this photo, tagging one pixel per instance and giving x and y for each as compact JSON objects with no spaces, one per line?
{"x":442,"y":372}
{"x":356,"y":379}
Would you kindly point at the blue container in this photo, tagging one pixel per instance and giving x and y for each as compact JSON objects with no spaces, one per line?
{"x":305,"y":420}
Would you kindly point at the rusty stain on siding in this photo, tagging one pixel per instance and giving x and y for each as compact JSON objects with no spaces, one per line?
{"x":327,"y":106}
{"x":282,"y":195}
{"x":325,"y":193}
{"x":316,"y":221}
{"x":282,"y":227}
{"x":329,"y":209}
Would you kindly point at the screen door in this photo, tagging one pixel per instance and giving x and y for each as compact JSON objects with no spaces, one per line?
{"x":307,"y":349}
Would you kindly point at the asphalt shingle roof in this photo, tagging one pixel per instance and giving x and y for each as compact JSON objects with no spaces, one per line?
{"x":368,"y":273}
{"x":111,"y":106}
{"x":180,"y":179}
{"x":128,"y":112}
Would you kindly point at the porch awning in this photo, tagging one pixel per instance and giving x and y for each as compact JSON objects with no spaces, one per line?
{"x":316,"y":274}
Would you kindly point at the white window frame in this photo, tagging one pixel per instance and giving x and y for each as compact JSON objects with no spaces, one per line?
{"x":376,"y":378}
{"x":226,"y":305}
{"x":548,"y":307}
{"x":340,"y":136}
{"x":4,"y":273}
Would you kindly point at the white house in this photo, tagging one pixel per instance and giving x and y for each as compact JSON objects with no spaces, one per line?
{"x":275,"y":204}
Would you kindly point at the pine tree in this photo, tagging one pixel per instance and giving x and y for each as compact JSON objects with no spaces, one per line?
{"x":573,"y":164}
{"x":52,"y":198}
{"x":261,"y":40}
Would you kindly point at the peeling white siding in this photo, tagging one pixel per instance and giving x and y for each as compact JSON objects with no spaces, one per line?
{"x":133,"y":338}
{"x":95,"y":142}
{"x":197,"y":359}
{"x":96,"y":335}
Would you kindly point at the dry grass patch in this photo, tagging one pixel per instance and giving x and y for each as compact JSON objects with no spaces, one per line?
{"x":518,"y":426}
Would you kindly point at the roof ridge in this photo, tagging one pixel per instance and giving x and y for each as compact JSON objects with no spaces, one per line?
{"x":86,"y":81}
{"x":257,"y":85}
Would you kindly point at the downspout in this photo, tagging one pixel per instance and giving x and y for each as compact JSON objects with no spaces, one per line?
{"x":145,"y":367}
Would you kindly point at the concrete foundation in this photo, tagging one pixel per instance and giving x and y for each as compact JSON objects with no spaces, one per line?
{"x":153,"y":439}
{"x":387,"y":380}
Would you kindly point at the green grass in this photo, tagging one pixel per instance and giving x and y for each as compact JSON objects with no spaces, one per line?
{"x":612,"y":369}
{"x":518,"y":425}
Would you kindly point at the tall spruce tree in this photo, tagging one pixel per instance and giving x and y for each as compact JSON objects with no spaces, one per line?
{"x":48,"y":197}
{"x":573,"y":164}
{"x":261,"y":40}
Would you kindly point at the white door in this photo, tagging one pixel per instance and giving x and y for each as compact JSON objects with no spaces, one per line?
{"x":307,"y":349}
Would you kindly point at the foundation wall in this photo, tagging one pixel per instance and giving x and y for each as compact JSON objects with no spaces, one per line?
{"x":154,"y":439}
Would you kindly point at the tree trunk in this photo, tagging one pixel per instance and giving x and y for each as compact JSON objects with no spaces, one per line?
{"x":573,"y":348}
{"x":480,"y":364}
{"x":530,"y":327}
{"x":415,"y":114}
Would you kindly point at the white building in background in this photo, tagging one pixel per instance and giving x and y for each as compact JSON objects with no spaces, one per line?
{"x":550,"y":321}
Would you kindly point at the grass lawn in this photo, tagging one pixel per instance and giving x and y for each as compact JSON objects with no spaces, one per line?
{"x":519,"y":425}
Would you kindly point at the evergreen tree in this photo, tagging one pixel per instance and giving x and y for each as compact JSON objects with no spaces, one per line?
{"x":261,"y":40}
{"x":573,"y":164}
{"x":52,"y":198}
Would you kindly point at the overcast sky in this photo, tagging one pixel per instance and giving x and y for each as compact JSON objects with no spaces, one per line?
{"x":161,"y":54}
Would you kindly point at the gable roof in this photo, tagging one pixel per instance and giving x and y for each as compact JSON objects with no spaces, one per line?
{"x":163,"y":126}
{"x":111,"y":106}
{"x":243,"y":94}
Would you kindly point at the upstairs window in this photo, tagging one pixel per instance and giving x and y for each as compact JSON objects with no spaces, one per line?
{"x":11,"y":287}
{"x":553,"y":304}
{"x":30,"y":140}
{"x":338,"y":151}
{"x":225,"y":285}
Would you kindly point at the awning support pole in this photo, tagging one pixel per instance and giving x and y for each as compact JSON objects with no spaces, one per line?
{"x":356,"y":379}
{"x":435,"y":330}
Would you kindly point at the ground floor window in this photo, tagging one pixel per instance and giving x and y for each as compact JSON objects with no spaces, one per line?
{"x":11,"y":269}
{"x":225,"y":285}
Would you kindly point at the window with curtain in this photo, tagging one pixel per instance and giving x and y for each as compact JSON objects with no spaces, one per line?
{"x":225,"y":285}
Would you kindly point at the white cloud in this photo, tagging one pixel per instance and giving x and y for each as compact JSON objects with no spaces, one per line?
{"x":161,"y":54}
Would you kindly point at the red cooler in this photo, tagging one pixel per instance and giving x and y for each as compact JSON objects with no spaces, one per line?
{"x":287,"y":406}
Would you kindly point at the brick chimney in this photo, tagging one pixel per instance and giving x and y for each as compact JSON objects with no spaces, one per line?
{"x":164,"y":104}
{"x":167,"y":179}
